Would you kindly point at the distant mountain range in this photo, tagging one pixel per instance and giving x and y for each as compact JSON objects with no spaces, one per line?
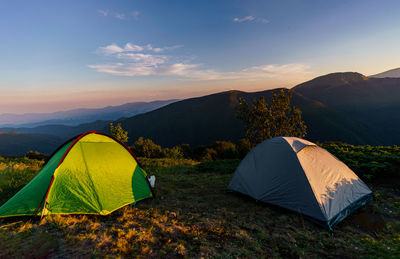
{"x":12,"y":144}
{"x":348,"y":107}
{"x":394,"y":73}
{"x":203,"y":120}
{"x":79,"y":116}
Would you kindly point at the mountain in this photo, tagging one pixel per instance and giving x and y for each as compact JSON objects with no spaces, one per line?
{"x":203,"y":120}
{"x":12,"y":144}
{"x":373,"y":103}
{"x":61,"y":131}
{"x":79,"y":116}
{"x":344,"y":90}
{"x":394,"y":73}
{"x":348,"y":107}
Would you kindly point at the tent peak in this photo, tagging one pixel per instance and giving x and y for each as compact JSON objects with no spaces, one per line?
{"x":297,"y":144}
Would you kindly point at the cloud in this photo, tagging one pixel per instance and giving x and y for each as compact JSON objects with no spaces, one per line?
{"x":272,"y":71}
{"x":135,"y":60}
{"x":144,"y":59}
{"x":130,"y":47}
{"x":119,"y":15}
{"x":149,"y":47}
{"x":110,"y":49}
{"x":103,"y":12}
{"x":250,"y":18}
{"x":244,"y":19}
{"x":138,"y":69}
{"x":132,"y":60}
{"x":262,"y":20}
{"x":135,"y":15}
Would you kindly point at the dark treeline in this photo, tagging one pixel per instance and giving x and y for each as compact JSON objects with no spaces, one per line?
{"x":369,"y":162}
{"x":218,"y":150}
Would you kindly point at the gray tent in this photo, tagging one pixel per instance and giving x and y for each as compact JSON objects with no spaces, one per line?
{"x":298,"y":175}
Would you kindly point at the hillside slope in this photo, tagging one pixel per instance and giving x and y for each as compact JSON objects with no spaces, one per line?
{"x":79,"y":116}
{"x":12,"y":144}
{"x":62,"y":131}
{"x":372,"y":102}
{"x":203,"y":120}
{"x":390,"y":73}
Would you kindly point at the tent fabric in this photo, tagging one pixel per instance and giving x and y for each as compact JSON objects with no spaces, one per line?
{"x":300,"y":176}
{"x":92,"y":174}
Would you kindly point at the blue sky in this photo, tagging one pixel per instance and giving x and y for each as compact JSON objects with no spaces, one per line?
{"x":59,"y":55}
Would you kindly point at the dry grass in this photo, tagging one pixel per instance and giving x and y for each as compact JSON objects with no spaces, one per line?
{"x":194,"y":216}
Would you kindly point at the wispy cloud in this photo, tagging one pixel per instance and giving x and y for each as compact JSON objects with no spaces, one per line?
{"x":192,"y":71}
{"x":130,"y":47}
{"x":135,"y":15}
{"x":119,"y":15}
{"x":143,"y":59}
{"x":134,"y":60}
{"x":244,"y":19}
{"x":250,"y":18}
{"x":103,"y":12}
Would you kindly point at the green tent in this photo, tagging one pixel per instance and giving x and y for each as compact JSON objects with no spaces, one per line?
{"x":91,"y":174}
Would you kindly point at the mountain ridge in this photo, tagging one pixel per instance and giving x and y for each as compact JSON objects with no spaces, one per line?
{"x":78,"y":116}
{"x":392,"y":73}
{"x":191,"y":121}
{"x":346,"y":106}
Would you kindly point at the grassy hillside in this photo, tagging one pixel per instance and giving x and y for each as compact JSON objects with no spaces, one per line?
{"x":347,"y":107}
{"x":79,"y":116}
{"x":373,"y":103}
{"x":193,"y":216}
{"x":203,"y":120}
{"x":61,"y":131}
{"x":18,"y":144}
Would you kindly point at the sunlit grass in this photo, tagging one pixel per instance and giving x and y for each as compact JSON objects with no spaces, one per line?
{"x":193,"y":216}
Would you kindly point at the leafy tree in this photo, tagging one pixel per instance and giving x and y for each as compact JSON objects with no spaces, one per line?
{"x":174,"y":152}
{"x":278,"y":118}
{"x":243,"y":147}
{"x":119,"y":133}
{"x":209,"y":154}
{"x":224,"y":149}
{"x":147,"y":148}
{"x":186,"y":150}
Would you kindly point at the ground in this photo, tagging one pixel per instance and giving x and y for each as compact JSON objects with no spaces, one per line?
{"x":193,"y":215}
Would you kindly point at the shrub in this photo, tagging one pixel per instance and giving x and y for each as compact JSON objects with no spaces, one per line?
{"x":146,"y":148}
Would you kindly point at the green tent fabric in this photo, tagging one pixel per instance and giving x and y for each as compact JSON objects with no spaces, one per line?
{"x":91,"y":174}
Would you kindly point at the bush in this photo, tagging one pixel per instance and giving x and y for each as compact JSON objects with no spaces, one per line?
{"x":224,"y":150}
{"x":36,"y":155}
{"x":175,"y":152}
{"x":368,"y":162}
{"x":146,"y":148}
{"x":243,"y":147}
{"x":217,"y":151}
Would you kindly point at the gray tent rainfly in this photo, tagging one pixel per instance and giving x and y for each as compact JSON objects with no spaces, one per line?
{"x":298,"y":175}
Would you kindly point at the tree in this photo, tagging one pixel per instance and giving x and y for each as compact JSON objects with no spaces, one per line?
{"x":119,"y":133}
{"x":224,"y":149}
{"x":146,"y":148}
{"x":243,"y":147}
{"x":263,"y":121}
{"x":174,"y":152}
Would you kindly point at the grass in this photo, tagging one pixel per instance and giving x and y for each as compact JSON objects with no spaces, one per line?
{"x":193,"y":216}
{"x":371,"y":162}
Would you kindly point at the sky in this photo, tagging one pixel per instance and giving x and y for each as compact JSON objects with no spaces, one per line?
{"x":58,"y":55}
